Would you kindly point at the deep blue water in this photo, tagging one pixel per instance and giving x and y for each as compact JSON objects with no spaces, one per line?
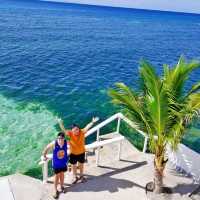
{"x":60,"y":59}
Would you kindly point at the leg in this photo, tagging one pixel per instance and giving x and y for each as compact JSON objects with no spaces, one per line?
{"x":81,"y":161}
{"x":69,"y":167}
{"x":56,"y":181}
{"x":62,"y":175}
{"x":81,"y":167}
{"x":61,"y":179}
{"x":82,"y":178}
{"x":74,"y":170}
{"x":73,"y":162}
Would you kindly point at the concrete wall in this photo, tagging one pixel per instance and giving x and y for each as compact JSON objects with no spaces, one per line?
{"x":187,"y":160}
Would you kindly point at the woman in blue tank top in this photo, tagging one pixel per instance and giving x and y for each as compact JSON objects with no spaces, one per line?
{"x":59,"y":161}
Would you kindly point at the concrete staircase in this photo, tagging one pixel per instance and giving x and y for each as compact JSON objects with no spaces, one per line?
{"x":112,"y":180}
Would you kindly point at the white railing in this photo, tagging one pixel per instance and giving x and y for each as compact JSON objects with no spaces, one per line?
{"x":98,"y":144}
{"x":185,"y":160}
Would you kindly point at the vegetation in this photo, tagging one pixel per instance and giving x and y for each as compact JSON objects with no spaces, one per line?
{"x":161,"y":108}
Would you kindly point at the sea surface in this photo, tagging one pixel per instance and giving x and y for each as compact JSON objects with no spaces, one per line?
{"x":60,"y":59}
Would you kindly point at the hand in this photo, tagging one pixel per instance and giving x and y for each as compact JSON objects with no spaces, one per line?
{"x":59,"y":120}
{"x":45,"y":158}
{"x":95,"y":119}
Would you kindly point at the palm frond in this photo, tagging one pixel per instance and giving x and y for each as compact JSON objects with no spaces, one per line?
{"x":123,"y":96}
{"x":162,"y":108}
{"x":192,"y":108}
{"x":156,"y":97}
{"x":194,"y":88}
{"x":176,"y":77}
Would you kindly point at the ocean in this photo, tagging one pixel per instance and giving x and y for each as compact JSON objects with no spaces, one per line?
{"x":60,"y":59}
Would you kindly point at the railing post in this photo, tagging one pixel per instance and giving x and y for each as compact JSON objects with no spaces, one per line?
{"x":145,"y":145}
{"x":45,"y":171}
{"x":118,"y":124}
{"x":97,"y":156}
{"x":98,"y":132}
{"x":119,"y":151}
{"x":98,"y":149}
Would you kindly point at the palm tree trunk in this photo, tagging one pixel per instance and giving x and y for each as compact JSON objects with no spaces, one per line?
{"x":158,"y":180}
{"x":159,"y":166}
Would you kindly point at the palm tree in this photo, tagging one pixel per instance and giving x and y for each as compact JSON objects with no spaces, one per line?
{"x":161,"y":108}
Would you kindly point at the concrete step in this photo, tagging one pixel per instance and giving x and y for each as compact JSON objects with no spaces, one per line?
{"x":6,"y":190}
{"x":23,"y":188}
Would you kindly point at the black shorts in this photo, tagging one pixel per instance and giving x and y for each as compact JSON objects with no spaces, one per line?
{"x":57,"y":171}
{"x":73,"y":159}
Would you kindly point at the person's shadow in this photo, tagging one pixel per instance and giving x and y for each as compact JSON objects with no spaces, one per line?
{"x":107,"y":183}
{"x":183,"y":189}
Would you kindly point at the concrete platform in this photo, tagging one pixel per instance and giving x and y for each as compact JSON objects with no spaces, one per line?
{"x":124,"y":179}
{"x":24,"y":187}
{"x":112,"y":180}
{"x":5,"y":190}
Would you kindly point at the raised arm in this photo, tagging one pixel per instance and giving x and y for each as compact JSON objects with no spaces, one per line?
{"x":61,"y":125}
{"x":88,"y":126}
{"x":49,"y":147}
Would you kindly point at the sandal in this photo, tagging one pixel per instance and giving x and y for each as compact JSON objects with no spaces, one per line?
{"x":63,"y":189}
{"x":82,"y":179}
{"x":56,"y":195}
{"x":75,"y":180}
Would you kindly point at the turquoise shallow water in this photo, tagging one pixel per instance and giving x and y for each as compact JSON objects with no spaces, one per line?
{"x":60,"y":59}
